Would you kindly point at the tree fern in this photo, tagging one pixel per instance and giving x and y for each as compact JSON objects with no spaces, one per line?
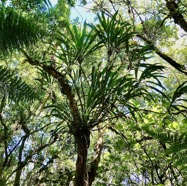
{"x":14,"y":87}
{"x":177,"y":145}
{"x":16,"y":31}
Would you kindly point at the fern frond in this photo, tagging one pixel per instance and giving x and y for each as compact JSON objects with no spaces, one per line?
{"x":180,"y":159}
{"x":178,"y":146}
{"x":14,"y":87}
{"x":16,"y":31}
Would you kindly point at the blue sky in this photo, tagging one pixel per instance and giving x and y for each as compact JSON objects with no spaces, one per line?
{"x":53,"y":2}
{"x":79,"y":12}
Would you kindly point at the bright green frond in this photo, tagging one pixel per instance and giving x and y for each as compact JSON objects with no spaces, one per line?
{"x":80,"y":43}
{"x":14,"y":88}
{"x":16,"y":31}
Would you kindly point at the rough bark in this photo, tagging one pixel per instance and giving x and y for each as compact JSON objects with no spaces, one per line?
{"x":176,"y":14}
{"x":92,"y":173}
{"x":81,"y":139}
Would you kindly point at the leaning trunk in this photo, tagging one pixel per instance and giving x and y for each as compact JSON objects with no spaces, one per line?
{"x":82,"y":142}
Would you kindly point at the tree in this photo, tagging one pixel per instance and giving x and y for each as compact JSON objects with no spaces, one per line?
{"x":151,"y":21}
{"x":101,"y":105}
{"x":101,"y":94}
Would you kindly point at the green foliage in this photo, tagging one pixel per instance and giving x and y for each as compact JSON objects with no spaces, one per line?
{"x":31,"y":5}
{"x":106,"y":91}
{"x":179,"y":99}
{"x":14,"y":88}
{"x":79,"y":44}
{"x":113,"y":33}
{"x":176,"y":148}
{"x":86,"y":87}
{"x":16,"y":31}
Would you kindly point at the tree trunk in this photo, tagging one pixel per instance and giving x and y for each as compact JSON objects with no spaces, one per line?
{"x":176,"y":13}
{"x":17,"y":177}
{"x":82,"y":142}
{"x":92,"y":173}
{"x":2,"y":180}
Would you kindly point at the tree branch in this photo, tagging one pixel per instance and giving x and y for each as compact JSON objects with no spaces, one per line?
{"x":65,"y":88}
{"x":165,"y":57}
{"x":175,"y":13}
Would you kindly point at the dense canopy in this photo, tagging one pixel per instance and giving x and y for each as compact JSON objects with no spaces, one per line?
{"x":93,"y":103}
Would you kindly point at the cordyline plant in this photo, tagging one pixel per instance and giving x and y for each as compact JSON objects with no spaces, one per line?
{"x":96,"y":90}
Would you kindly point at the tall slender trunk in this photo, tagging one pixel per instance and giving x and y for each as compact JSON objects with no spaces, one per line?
{"x":2,"y":180}
{"x":17,"y":178}
{"x":82,"y":142}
